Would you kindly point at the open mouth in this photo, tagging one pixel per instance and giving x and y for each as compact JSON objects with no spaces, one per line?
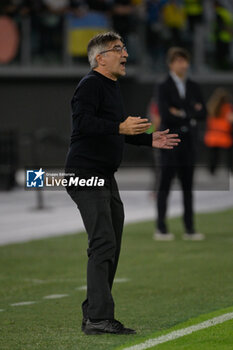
{"x":123,"y":64}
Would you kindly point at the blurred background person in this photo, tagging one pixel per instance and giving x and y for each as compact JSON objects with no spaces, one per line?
{"x":122,"y":17}
{"x":50,"y":28}
{"x":194,"y":12}
{"x":125,"y":21}
{"x":154,"y":28}
{"x":223,"y":35}
{"x":174,"y":18}
{"x":219,"y":130}
{"x":84,"y":20}
{"x":180,"y":105}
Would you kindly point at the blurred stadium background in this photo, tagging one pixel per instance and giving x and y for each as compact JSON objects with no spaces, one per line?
{"x":43,"y":56}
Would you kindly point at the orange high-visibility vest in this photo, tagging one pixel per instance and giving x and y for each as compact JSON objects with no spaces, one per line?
{"x":219,"y":129}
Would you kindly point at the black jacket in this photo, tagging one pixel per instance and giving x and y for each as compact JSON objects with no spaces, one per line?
{"x":168,"y":96}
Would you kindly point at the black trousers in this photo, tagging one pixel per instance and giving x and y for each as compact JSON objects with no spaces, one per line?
{"x":177,"y":162}
{"x":103,"y":216}
{"x":185,"y":176}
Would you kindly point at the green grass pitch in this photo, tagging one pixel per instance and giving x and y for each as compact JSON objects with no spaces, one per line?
{"x":168,"y":283}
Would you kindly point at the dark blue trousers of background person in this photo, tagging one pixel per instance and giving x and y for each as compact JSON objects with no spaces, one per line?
{"x":103,"y":216}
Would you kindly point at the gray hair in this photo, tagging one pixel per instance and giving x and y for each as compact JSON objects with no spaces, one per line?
{"x":100,"y":43}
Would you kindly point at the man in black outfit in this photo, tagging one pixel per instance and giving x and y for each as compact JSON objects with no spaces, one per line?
{"x":180,"y":106}
{"x":100,"y":128}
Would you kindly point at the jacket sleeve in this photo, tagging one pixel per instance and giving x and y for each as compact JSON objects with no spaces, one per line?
{"x":139,"y":140}
{"x":198,"y":98}
{"x":85,"y":104}
{"x":164,"y":104}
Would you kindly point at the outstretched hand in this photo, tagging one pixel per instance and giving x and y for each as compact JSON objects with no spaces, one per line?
{"x":134,"y":126}
{"x":162,"y":139}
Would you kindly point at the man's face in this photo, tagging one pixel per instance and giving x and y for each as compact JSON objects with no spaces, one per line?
{"x":114,"y":61}
{"x":179,"y":66}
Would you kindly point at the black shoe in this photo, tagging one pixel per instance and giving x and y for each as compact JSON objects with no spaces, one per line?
{"x":106,"y":326}
{"x":84,"y":322}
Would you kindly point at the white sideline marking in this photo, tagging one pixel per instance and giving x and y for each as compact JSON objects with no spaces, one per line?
{"x":55,"y":296}
{"x":181,"y":332}
{"x":38,"y":281}
{"x":24,"y":303}
{"x":121,"y":280}
{"x":116,"y":280}
{"x":34,"y":280}
{"x":81,"y":288}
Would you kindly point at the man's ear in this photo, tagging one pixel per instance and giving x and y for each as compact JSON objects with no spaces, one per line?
{"x":100,"y":60}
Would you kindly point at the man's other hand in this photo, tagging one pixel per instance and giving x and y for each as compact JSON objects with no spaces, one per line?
{"x":177,"y":112}
{"x":162,"y":139}
{"x":198,"y":107}
{"x":134,"y":126}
